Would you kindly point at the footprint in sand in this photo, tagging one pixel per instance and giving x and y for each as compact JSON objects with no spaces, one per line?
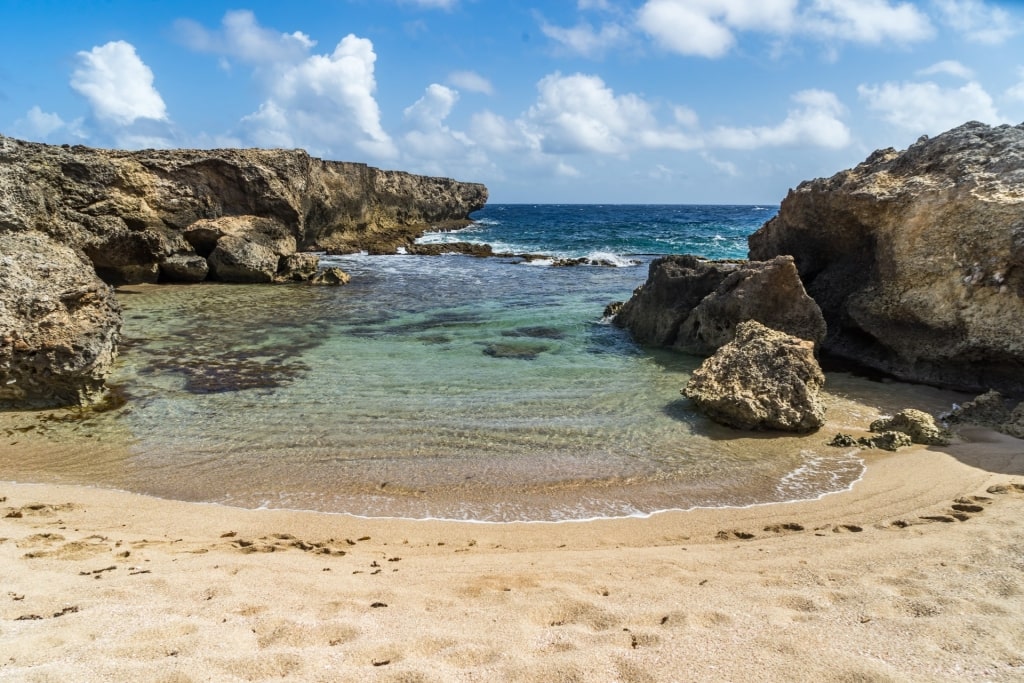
{"x":783,"y":528}
{"x":731,"y":534}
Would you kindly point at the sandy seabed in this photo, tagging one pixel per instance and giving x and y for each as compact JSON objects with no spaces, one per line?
{"x":916,"y":574}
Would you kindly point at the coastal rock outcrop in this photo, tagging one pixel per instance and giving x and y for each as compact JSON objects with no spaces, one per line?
{"x":59,"y":323}
{"x":131,"y":212}
{"x":762,"y":379}
{"x":991,"y":410}
{"x":918,"y":425}
{"x":916,"y":258}
{"x":694,"y":305}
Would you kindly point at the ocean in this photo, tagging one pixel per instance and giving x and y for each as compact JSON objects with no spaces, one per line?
{"x":444,"y":387}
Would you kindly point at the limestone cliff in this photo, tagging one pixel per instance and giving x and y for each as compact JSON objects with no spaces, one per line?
{"x":71,"y":214}
{"x":916,"y":257}
{"x":130,"y":211}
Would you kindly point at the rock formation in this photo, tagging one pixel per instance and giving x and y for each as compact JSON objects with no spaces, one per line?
{"x":990,"y":410}
{"x":70,"y":214}
{"x":132,"y":212}
{"x":762,"y":379}
{"x":918,"y":425}
{"x":694,"y":305}
{"x":916,"y":258}
{"x":59,"y":324}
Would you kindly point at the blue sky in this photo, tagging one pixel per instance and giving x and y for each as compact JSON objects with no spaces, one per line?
{"x":603,"y":101}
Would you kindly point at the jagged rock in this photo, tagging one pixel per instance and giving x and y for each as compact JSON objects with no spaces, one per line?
{"x":184,"y":268}
{"x":612,"y":309}
{"x":843,"y":441}
{"x":59,"y":324}
{"x":886,"y":441}
{"x":331,"y":276}
{"x":467,"y":248}
{"x":694,"y":305}
{"x":762,"y":379}
{"x":917,"y":257}
{"x":298,"y":267}
{"x":918,"y":425}
{"x":237,"y":259}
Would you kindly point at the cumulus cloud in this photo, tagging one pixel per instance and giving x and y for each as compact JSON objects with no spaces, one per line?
{"x":1016,"y":92}
{"x":40,"y":126}
{"x":708,"y":28}
{"x":327,"y":100}
{"x":814,"y":122}
{"x":242,"y":38}
{"x":927,"y":108}
{"x":471,"y":81}
{"x":978,"y":21}
{"x":322,"y":102}
{"x":584,"y":39}
{"x":579,"y":113}
{"x":948,"y":67}
{"x":867,"y":21}
{"x":117,"y":85}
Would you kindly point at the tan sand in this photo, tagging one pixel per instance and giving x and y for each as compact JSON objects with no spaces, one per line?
{"x":917,"y":574}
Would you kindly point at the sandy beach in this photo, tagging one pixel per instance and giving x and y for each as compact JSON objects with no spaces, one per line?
{"x":916,"y":574}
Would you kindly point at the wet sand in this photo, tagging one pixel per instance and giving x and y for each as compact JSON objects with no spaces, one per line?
{"x":916,"y":574}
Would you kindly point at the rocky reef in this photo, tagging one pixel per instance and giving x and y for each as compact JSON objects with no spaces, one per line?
{"x":74,"y":220}
{"x":916,"y":258}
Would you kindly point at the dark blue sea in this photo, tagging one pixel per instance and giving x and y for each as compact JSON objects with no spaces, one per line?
{"x":484,"y":389}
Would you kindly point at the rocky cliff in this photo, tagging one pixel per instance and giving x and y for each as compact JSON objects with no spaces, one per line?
{"x":131,"y":212}
{"x":916,"y":257}
{"x":70,"y":216}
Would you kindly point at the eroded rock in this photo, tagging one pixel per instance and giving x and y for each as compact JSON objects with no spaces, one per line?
{"x":916,"y":257}
{"x":762,"y":379}
{"x":694,"y":305}
{"x":59,"y":324}
{"x":918,"y":425}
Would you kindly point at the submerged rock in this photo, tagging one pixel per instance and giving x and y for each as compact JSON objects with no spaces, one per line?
{"x":59,"y":324}
{"x":694,"y":305}
{"x":298,"y":267}
{"x":331,"y":276}
{"x":762,"y":379}
{"x":916,"y":258}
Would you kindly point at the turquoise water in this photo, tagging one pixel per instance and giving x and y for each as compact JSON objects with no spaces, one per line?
{"x":437,"y":387}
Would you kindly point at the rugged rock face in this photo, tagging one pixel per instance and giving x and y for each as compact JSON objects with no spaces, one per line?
{"x":991,"y":410}
{"x":762,"y":379}
{"x":917,"y":258}
{"x":130,"y":212}
{"x":59,"y":323}
{"x":694,"y":305}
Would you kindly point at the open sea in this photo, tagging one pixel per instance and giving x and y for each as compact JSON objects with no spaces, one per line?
{"x":440,"y":387}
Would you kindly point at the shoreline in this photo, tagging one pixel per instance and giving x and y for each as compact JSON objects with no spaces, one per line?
{"x":880,"y":582}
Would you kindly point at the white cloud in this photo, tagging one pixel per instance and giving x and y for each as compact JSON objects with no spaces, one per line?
{"x":949,"y":67}
{"x":579,"y":113}
{"x":726,"y":168}
{"x":927,"y":108}
{"x":593,"y":4}
{"x":41,"y":124}
{"x":978,"y":21}
{"x":471,"y":81}
{"x":327,"y":100}
{"x":815,"y":122}
{"x":583,"y":39}
{"x":708,"y":28}
{"x":867,"y":21}
{"x":242,"y":38}
{"x":1016,"y":92}
{"x":322,"y":102}
{"x":117,"y":84}
{"x":496,"y":133}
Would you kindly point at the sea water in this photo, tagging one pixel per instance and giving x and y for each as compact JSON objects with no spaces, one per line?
{"x":438,"y":387}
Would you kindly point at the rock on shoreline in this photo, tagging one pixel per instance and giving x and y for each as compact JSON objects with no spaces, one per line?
{"x":916,"y":258}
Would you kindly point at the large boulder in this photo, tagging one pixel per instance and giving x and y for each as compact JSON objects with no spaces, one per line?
{"x":917,"y":424}
{"x":694,"y":305}
{"x":916,"y":257}
{"x":59,"y":324}
{"x":238,"y":259}
{"x":762,"y":379}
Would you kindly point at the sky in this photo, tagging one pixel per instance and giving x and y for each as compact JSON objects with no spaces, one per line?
{"x":564,"y":101}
